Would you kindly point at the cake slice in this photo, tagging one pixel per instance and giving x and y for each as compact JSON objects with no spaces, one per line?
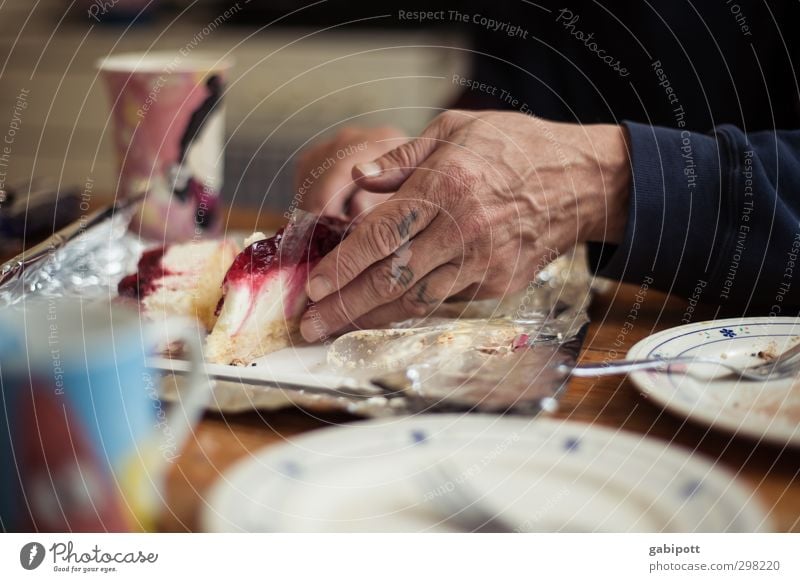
{"x":264,"y":291}
{"x":181,"y":280}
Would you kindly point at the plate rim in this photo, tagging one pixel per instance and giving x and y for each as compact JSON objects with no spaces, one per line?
{"x":646,"y":386}
{"x":752,"y":513}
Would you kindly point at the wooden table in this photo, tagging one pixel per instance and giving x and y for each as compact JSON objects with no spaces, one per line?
{"x":773,"y":472}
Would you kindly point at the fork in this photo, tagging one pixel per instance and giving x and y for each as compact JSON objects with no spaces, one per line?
{"x":783,"y":366}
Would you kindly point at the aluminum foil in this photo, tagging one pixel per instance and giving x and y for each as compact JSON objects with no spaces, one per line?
{"x":499,"y":355}
{"x":85,"y":259}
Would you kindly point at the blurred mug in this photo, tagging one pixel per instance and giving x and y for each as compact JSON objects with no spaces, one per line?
{"x":84,"y":440}
{"x":168,"y":126}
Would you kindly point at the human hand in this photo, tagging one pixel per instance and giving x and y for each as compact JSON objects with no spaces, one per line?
{"x":483,"y":201}
{"x":323,"y":175}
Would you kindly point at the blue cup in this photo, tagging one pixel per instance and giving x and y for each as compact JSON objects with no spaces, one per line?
{"x":85,"y":442}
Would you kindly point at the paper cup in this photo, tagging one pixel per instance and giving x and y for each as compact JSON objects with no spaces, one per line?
{"x":85,"y":442}
{"x":168,"y":127}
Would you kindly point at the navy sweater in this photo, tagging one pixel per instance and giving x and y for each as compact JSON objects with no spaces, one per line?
{"x":709,"y":93}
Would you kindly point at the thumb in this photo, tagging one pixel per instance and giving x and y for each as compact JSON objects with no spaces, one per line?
{"x":388,"y":172}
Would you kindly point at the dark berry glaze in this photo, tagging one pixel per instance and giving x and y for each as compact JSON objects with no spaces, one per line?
{"x":258,"y":259}
{"x":142,"y":282}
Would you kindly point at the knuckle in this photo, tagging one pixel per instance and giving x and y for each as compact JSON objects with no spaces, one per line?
{"x":413,"y":305}
{"x":449,"y":117}
{"x":343,"y":269}
{"x":338,"y":315}
{"x":402,"y":156}
{"x":382,"y":282}
{"x":329,"y":316}
{"x":438,"y":291}
{"x":382,"y":236}
{"x":453,"y":181}
{"x":476,"y":224}
{"x":453,"y":118}
{"x":463,"y":176}
{"x":498,"y":284}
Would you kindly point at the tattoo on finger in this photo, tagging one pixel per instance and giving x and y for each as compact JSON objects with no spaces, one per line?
{"x":422,"y":294}
{"x":402,"y":275}
{"x":404,"y":226}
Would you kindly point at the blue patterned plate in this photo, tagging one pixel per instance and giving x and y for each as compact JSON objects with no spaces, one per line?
{"x":762,"y":410}
{"x":535,"y":474}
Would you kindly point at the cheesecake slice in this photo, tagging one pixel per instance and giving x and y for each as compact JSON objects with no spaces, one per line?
{"x":264,"y":292}
{"x":181,"y":280}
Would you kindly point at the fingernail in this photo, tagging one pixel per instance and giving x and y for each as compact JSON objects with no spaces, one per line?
{"x":308,"y":330}
{"x":319,"y":287}
{"x":368,"y":169}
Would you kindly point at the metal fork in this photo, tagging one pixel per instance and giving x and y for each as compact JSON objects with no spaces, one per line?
{"x":784,"y":366}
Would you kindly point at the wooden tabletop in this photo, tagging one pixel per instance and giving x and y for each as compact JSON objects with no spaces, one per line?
{"x":773,"y":472}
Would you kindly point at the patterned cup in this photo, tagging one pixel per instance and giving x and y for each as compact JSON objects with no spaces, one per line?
{"x":168,"y":126}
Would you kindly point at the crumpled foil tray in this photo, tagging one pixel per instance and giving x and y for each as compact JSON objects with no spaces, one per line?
{"x":484,"y":356}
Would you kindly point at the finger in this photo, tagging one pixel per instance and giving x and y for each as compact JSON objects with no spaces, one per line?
{"x":421,"y":299}
{"x":388,"y":172}
{"x":381,"y":233}
{"x":381,"y":283}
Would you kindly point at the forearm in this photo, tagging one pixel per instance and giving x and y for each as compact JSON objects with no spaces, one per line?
{"x":719,"y":211}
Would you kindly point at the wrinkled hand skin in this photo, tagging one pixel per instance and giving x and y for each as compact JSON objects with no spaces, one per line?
{"x":482,"y":201}
{"x":332,"y":191}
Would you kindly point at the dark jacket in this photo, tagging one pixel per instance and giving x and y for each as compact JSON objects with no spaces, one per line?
{"x":710,"y":95}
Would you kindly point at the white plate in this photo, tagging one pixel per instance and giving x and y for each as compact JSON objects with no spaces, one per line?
{"x":543,"y":475}
{"x":299,"y":365}
{"x":763,"y":410}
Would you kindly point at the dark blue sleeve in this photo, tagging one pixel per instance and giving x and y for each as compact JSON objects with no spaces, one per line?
{"x":714,"y":217}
